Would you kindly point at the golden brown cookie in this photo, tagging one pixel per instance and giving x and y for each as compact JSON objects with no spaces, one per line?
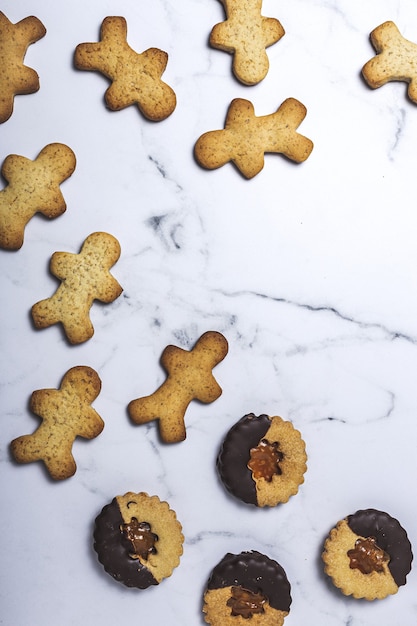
{"x":138,"y":539}
{"x":395,"y":59}
{"x":246,"y":138}
{"x":247,"y":588}
{"x":84,"y":277}
{"x":66,"y":413}
{"x":189,"y":378}
{"x":368,"y":555}
{"x":15,"y":77}
{"x":262,"y":460}
{"x":246,"y":33}
{"x":33,"y":187}
{"x":135,"y":77}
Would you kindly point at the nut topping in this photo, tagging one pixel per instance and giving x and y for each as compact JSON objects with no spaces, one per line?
{"x":141,"y":537}
{"x":246,"y":603}
{"x":367,"y":556}
{"x":265,"y":459}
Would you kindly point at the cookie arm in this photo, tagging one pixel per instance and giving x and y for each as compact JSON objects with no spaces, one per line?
{"x":95,"y":56}
{"x":109,"y":290}
{"x":272,"y":29}
{"x":63,"y":264}
{"x":32,"y":29}
{"x":90,"y":424}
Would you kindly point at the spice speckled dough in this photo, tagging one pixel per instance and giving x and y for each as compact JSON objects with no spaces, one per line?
{"x":15,"y":77}
{"x":368,"y":555}
{"x":247,"y":588}
{"x":135,"y":77}
{"x":262,"y":460}
{"x":32,"y":187}
{"x":138,"y":539}
{"x":246,"y":33}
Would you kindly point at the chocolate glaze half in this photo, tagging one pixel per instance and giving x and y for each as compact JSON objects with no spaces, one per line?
{"x":257,"y":573}
{"x":232,"y":460}
{"x":113,"y":550}
{"x":390,"y":536}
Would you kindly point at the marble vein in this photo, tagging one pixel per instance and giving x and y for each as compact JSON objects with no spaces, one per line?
{"x":333,"y":311}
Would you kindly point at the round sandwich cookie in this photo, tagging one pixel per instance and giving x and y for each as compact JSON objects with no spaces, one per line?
{"x":247,"y":588}
{"x":368,"y":555}
{"x":138,"y":539}
{"x":262,"y":460}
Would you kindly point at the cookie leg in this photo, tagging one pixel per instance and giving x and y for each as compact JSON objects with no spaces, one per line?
{"x":45,"y":313}
{"x":12,"y":228}
{"x":29,"y":448}
{"x":169,"y":413}
{"x":77,"y":325}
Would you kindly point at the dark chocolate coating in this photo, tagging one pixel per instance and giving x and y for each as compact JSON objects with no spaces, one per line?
{"x":390,"y":536}
{"x":113,"y":550}
{"x":257,"y":573}
{"x":232,"y":460}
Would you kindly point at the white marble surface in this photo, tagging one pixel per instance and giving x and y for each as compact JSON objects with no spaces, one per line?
{"x":310,"y":272}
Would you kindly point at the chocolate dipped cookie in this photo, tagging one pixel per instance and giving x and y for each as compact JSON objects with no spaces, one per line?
{"x":368,"y":555}
{"x":262,"y":460}
{"x":138,"y":539}
{"x":247,"y":587}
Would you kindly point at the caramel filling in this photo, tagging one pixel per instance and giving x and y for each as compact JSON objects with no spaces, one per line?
{"x":265,"y":460}
{"x":367,"y":556}
{"x":245,"y":603}
{"x":141,"y":538}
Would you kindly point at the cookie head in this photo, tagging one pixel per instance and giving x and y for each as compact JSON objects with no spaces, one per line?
{"x":138,"y":539}
{"x":248,"y":588}
{"x":368,"y":555}
{"x":262,"y":460}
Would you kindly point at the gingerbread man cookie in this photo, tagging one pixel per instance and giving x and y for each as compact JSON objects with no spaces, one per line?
{"x":395,"y":60}
{"x":85,"y":277}
{"x":246,"y":33}
{"x":189,"y":378}
{"x":66,"y":414}
{"x":15,"y":77}
{"x":33,"y":187}
{"x":136,"y":78}
{"x":246,"y":138}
